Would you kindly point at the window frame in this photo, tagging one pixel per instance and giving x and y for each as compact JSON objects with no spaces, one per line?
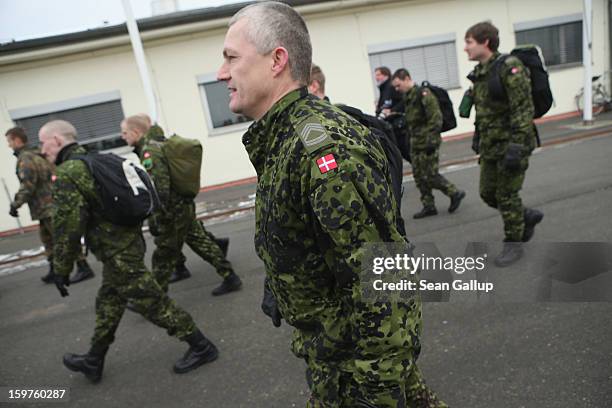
{"x":202,"y":80}
{"x":421,"y":42}
{"x":552,"y":22}
{"x":70,"y":104}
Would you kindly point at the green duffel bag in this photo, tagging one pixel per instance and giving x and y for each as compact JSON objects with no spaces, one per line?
{"x":184,"y":160}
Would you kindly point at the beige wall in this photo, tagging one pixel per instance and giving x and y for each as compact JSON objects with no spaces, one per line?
{"x":340,"y":42}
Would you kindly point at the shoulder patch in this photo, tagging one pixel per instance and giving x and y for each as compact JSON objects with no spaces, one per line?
{"x":424,"y":93}
{"x":515,"y":70}
{"x":313,"y":134}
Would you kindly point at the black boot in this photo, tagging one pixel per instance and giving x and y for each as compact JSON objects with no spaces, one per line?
{"x":179,"y":274}
{"x":229,"y":284}
{"x":425,"y":212}
{"x":50,"y":276}
{"x":456,"y":201}
{"x":532,"y":218}
{"x":201,"y":351}
{"x":223,"y":244}
{"x":512,"y":252}
{"x":83,"y":272}
{"x":90,"y":364}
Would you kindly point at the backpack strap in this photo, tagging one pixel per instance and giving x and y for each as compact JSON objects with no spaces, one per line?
{"x":496,"y":86}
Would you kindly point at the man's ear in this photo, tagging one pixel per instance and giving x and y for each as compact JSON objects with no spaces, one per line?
{"x":280,"y":60}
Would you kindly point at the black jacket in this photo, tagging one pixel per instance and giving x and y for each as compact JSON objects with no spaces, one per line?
{"x":387,"y":92}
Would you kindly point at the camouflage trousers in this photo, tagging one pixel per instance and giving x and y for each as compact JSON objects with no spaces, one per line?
{"x":500,"y":188}
{"x":171,"y":234}
{"x":427,"y":177}
{"x":332,"y":386}
{"x":45,"y":231}
{"x":126,"y":279}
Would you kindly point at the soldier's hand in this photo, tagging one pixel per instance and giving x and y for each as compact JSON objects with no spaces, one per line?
{"x":61,"y":282}
{"x":270,"y":307}
{"x":513,"y":156}
{"x":13,"y":211}
{"x":476,"y":143}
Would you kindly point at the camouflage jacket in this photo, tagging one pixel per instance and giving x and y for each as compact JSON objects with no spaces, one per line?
{"x":77,"y":213}
{"x":150,"y":151}
{"x":508,"y":121}
{"x":424,"y":118}
{"x":34,"y":173}
{"x":323,"y":190}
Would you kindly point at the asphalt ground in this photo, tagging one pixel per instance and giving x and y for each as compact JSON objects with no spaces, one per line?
{"x":505,"y":354}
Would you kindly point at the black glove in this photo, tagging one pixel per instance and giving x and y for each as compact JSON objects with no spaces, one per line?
{"x":269,"y":306}
{"x":13,"y":211}
{"x":513,"y":156}
{"x":61,"y":282}
{"x":476,"y":142}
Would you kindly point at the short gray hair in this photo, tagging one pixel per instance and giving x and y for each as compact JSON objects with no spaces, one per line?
{"x":61,"y":127}
{"x":273,"y":24}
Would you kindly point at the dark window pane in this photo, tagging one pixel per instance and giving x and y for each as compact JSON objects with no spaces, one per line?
{"x":217,"y":97}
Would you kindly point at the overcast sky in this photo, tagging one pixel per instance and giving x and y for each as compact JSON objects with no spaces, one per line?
{"x":24,"y":19}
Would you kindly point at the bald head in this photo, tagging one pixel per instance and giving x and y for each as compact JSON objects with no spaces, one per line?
{"x":134,"y":127}
{"x":54,"y":136}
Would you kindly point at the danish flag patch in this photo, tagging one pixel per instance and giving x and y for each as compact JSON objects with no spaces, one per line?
{"x":327,"y":163}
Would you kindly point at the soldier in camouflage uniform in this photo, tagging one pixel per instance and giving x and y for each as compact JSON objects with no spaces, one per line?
{"x":505,"y":137}
{"x":175,"y":223}
{"x":120,"y":248}
{"x":181,"y":271}
{"x":424,"y":119}
{"x":34,"y":174}
{"x":323,"y":192}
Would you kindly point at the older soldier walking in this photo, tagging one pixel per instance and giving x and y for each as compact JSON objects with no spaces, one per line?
{"x":323,"y":192}
{"x":34,"y":174}
{"x":505,"y":136}
{"x":77,"y":212}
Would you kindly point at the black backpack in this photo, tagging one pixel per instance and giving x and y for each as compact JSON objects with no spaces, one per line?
{"x":532,"y":59}
{"x":127,"y":193}
{"x":384,"y":133}
{"x":446,"y":106}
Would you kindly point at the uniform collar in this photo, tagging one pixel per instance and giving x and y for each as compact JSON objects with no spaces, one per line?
{"x":258,"y":138}
{"x":154,"y":133}
{"x":67,"y":151}
{"x":482,"y":69}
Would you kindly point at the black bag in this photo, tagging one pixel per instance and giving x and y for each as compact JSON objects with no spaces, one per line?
{"x":127,"y":193}
{"x":446,"y":106}
{"x":532,"y":59}
{"x":384,"y":133}
{"x":402,"y":136}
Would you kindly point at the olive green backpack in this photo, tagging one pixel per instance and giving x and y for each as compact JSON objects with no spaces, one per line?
{"x":184,"y":160}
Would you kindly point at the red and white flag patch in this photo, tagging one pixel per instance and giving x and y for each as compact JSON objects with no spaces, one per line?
{"x":327,"y":163}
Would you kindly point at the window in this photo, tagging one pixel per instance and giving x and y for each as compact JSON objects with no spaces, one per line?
{"x":215,"y":98}
{"x":560,"y":43}
{"x":433,"y":59}
{"x":96,"y":118}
